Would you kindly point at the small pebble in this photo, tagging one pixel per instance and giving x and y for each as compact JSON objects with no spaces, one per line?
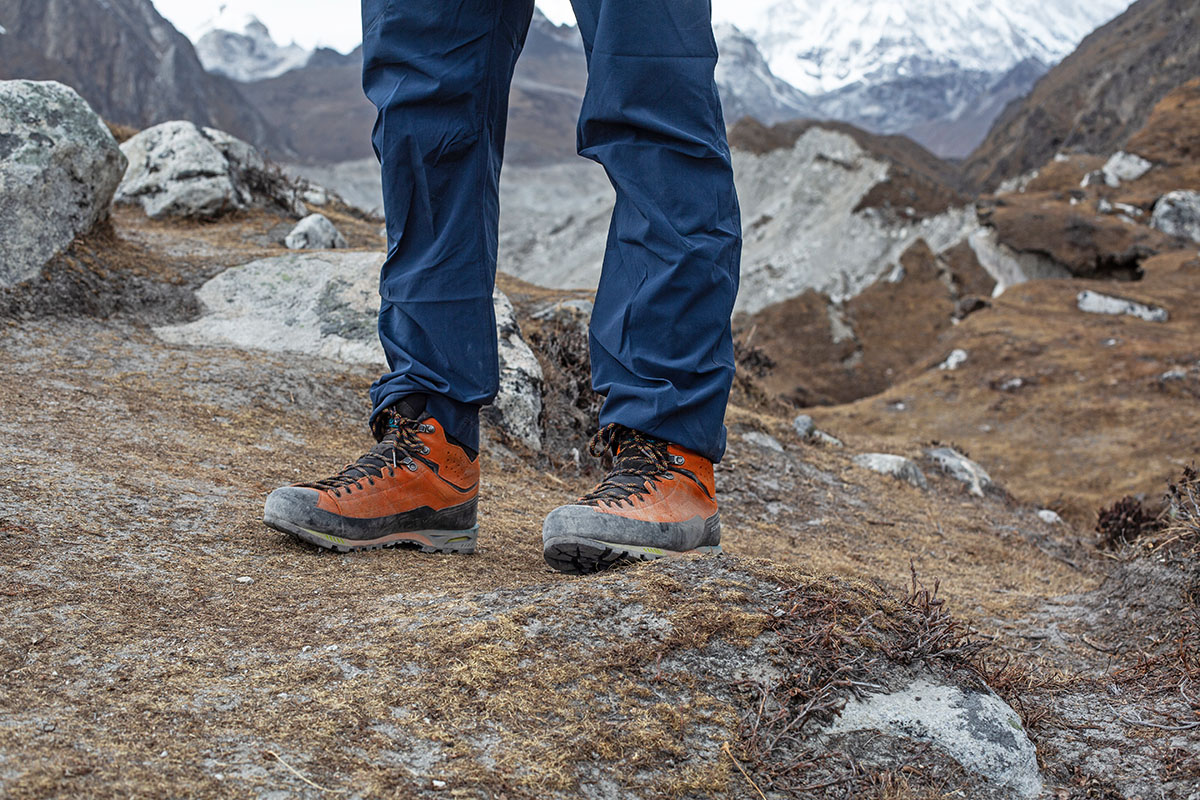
{"x":439,"y":784}
{"x":245,"y":579}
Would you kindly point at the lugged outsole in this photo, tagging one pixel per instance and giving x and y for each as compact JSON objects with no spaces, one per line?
{"x":448,"y":542}
{"x":578,"y":555}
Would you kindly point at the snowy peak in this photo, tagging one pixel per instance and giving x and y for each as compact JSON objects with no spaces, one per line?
{"x":821,"y":46}
{"x":747,"y":85}
{"x":239,"y":46}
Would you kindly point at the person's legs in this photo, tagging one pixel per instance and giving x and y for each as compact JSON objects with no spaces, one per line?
{"x":661,"y":342}
{"x":439,"y":72}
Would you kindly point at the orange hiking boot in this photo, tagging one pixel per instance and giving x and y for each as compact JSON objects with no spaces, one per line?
{"x":414,"y":488}
{"x":657,"y":500}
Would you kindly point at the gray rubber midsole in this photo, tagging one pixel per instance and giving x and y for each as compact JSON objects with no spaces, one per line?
{"x":616,"y":531}
{"x":454,"y":541}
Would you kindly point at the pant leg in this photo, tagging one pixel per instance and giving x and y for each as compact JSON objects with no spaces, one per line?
{"x":439,"y":71}
{"x":661,"y":340}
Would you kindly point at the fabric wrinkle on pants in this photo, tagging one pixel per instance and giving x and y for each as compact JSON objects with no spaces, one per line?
{"x":660,"y":337}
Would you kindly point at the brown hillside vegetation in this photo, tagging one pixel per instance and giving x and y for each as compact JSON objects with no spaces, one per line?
{"x":1098,"y":96}
{"x":1048,"y":389}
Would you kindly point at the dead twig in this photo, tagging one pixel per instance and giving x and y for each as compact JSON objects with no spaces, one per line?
{"x":296,"y":772}
{"x":727,"y":750}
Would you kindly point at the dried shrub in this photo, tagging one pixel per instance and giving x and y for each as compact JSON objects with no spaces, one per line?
{"x":843,"y":646}
{"x":753,"y":360}
{"x":570,"y":407}
{"x":1124,"y":522}
{"x":273,"y":187}
{"x":1183,"y":506}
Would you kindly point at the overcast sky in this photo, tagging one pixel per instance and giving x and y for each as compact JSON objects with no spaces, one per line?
{"x":336,"y":23}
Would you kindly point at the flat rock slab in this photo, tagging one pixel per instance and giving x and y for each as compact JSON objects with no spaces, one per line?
{"x":327,"y":305}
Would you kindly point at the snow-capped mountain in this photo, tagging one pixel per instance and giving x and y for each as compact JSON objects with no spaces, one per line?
{"x":747,"y":85}
{"x":239,"y":46}
{"x":820,"y":46}
{"x":939,"y":71}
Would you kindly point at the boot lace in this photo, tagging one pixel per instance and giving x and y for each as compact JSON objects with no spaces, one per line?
{"x":394,"y":451}
{"x":638,"y":461}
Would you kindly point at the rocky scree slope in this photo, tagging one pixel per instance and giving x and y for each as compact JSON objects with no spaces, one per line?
{"x":824,"y":207}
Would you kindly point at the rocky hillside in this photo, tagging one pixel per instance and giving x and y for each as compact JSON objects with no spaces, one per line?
{"x":128,"y":62}
{"x":933,"y":351}
{"x":893,"y":619}
{"x":1099,"y":95}
{"x":824,"y":206}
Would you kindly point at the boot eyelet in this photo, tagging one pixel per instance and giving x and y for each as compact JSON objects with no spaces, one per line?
{"x":669,"y":476}
{"x":424,"y":451}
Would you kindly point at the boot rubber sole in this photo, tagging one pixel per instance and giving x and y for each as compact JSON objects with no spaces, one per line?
{"x":429,"y":541}
{"x":579,"y":555}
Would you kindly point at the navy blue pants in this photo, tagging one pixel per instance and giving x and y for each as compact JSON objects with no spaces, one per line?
{"x":439,"y":73}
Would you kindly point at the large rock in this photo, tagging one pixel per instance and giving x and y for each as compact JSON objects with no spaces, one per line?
{"x":962,"y":469}
{"x":1178,"y":214}
{"x":897,"y":466}
{"x":59,"y":167}
{"x":974,"y":727}
{"x":517,"y":410}
{"x":327,"y":305}
{"x":177,"y":169}
{"x":315,"y":232}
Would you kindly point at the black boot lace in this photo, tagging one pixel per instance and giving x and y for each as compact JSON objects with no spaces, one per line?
{"x":393,"y":452}
{"x":638,"y":460}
